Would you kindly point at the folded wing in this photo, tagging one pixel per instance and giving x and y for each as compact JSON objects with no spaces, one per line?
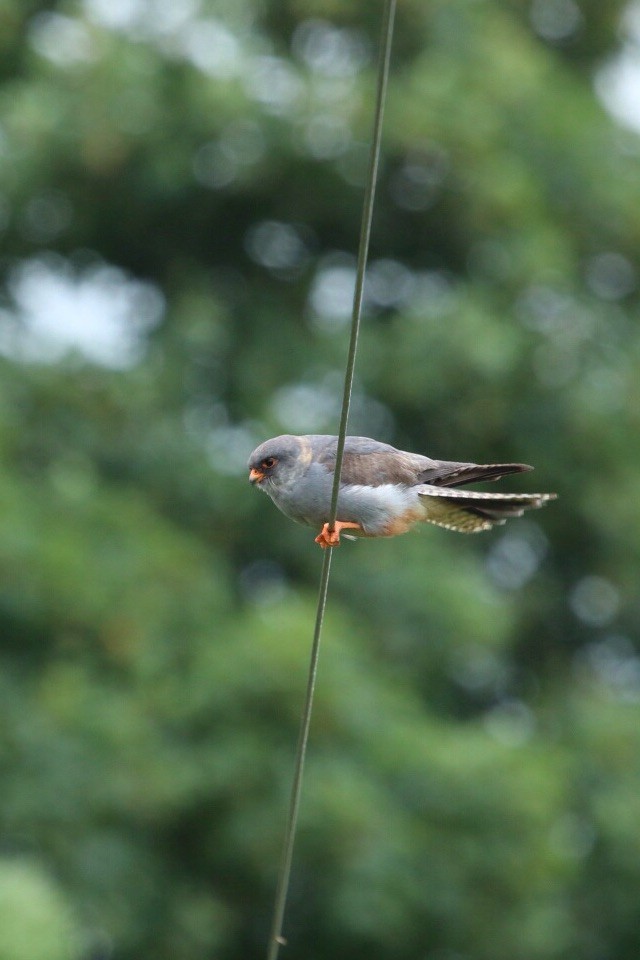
{"x":444,"y":473}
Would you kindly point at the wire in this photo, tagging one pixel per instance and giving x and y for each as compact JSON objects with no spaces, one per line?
{"x":363,"y":247}
{"x":276,"y":939}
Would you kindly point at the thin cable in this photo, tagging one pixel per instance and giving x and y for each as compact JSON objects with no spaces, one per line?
{"x":363,"y":247}
{"x":276,"y":940}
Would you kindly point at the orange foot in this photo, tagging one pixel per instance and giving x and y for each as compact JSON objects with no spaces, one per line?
{"x":331,"y":538}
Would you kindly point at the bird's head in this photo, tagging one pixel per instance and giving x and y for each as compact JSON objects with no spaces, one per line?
{"x":278,"y":461}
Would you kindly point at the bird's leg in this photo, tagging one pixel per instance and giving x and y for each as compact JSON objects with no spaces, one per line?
{"x":331,"y":538}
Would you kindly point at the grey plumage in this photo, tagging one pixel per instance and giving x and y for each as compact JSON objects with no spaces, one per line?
{"x":383,"y":491}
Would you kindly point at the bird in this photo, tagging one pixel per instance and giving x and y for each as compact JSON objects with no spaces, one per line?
{"x":383,"y":491}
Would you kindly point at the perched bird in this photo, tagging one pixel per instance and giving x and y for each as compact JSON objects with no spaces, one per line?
{"x":383,"y":491}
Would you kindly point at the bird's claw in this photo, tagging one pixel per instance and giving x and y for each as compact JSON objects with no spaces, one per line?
{"x":331,"y":538}
{"x":328,"y":538}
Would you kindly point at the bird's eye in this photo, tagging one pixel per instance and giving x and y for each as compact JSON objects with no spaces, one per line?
{"x":268,"y":463}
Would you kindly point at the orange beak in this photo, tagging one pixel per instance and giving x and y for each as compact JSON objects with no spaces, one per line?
{"x":255,"y":476}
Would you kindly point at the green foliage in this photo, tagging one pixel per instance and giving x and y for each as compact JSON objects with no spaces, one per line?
{"x":36,"y":923}
{"x":197,"y":170}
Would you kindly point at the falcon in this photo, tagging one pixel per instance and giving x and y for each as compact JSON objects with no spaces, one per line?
{"x":383,"y":492}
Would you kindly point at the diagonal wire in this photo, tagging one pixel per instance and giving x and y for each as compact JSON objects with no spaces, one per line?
{"x":276,"y":939}
{"x":363,"y":247}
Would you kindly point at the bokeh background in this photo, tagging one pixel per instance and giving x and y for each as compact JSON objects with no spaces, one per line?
{"x":180,"y":192}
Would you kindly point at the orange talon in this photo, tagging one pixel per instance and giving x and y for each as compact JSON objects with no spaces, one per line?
{"x":331,"y":538}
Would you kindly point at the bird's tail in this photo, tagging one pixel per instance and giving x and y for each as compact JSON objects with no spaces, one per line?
{"x":468,"y":511}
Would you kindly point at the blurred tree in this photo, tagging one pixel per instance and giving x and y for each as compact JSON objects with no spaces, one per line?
{"x":180,"y":192}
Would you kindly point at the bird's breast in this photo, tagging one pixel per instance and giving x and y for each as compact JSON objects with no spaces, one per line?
{"x":385,"y":510}
{"x":306,"y":500}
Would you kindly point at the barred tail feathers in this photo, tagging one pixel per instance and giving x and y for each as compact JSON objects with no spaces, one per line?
{"x":468,"y":511}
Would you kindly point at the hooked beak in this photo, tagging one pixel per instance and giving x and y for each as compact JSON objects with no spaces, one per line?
{"x":255,"y":476}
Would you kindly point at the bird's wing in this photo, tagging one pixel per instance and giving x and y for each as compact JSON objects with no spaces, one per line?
{"x":469,"y":511}
{"x":374,"y":463}
{"x":444,"y":473}
{"x":371,"y":463}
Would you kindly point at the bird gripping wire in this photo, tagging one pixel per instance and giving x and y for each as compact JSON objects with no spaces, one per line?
{"x":276,"y":939}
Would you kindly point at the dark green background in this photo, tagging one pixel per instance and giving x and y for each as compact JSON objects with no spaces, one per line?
{"x":473,"y":787}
